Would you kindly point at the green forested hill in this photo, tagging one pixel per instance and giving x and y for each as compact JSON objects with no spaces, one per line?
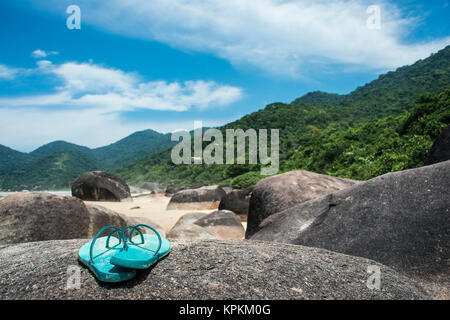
{"x":57,"y":147}
{"x":57,"y":164}
{"x":361,"y":152}
{"x":320,"y":98}
{"x":131,"y":148}
{"x":321,"y":137}
{"x":10,"y":158}
{"x":393,"y":92}
{"x":55,"y":171}
{"x":390,"y":144}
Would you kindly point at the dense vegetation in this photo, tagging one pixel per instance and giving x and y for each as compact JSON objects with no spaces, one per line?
{"x":55,"y":171}
{"x":386,"y":125}
{"x":57,"y":164}
{"x":359,"y":135}
{"x":370,"y":149}
{"x":389,"y":144}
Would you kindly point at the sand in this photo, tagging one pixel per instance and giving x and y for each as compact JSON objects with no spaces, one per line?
{"x":153,"y":208}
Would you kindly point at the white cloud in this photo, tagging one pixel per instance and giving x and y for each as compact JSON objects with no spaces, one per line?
{"x":86,"y":85}
{"x":290,"y":37}
{"x":39,"y":54}
{"x":7,"y":73}
{"x":86,"y":107}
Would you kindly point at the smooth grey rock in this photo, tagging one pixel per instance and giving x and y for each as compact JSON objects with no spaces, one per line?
{"x":203,"y":198}
{"x":440,"y":150}
{"x":101,"y":217}
{"x":280,"y":192}
{"x":172,"y":189}
{"x":101,"y":186}
{"x":239,"y":269}
{"x":186,"y":229}
{"x":237,"y":200}
{"x":227,"y":189}
{"x":224,"y":223}
{"x":26,"y":217}
{"x":400,"y":219}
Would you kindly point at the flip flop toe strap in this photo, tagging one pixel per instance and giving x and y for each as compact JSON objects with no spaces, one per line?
{"x":136,"y":228}
{"x":115,"y":230}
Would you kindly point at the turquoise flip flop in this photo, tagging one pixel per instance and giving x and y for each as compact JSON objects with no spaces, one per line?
{"x":141,"y":255}
{"x":96,"y":255}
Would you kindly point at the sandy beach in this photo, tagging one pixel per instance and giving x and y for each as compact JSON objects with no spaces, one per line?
{"x":153,"y":208}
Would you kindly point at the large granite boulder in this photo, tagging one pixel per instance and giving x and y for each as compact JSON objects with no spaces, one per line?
{"x":237,"y":200}
{"x":185,"y":228}
{"x":203,"y":198}
{"x":101,"y":217}
{"x":208,"y":269}
{"x":26,"y":217}
{"x":440,"y":151}
{"x":280,"y":192}
{"x":224,"y":223}
{"x":400,"y":219}
{"x":172,"y":189}
{"x":101,"y":186}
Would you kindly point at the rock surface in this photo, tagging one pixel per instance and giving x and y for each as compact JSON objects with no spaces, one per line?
{"x":237,"y":269}
{"x":280,"y":192}
{"x":440,"y":151}
{"x":26,"y":217}
{"x":224,"y":223}
{"x":400,"y":219}
{"x":101,"y":186}
{"x":101,"y":217}
{"x":172,"y":189}
{"x":203,"y":198}
{"x":237,"y":200}
{"x":186,"y":229}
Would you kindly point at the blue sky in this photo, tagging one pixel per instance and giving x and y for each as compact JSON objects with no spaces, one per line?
{"x":162,"y":64}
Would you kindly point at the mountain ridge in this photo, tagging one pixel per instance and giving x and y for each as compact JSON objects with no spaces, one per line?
{"x":145,"y":155}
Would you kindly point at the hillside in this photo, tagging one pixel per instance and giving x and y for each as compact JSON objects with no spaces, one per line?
{"x":305,"y":128}
{"x":320,"y":98}
{"x":10,"y":158}
{"x":131,"y":148}
{"x":57,"y":164}
{"x":55,"y":171}
{"x":57,"y":147}
{"x":362,"y":152}
{"x":393,"y":92}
